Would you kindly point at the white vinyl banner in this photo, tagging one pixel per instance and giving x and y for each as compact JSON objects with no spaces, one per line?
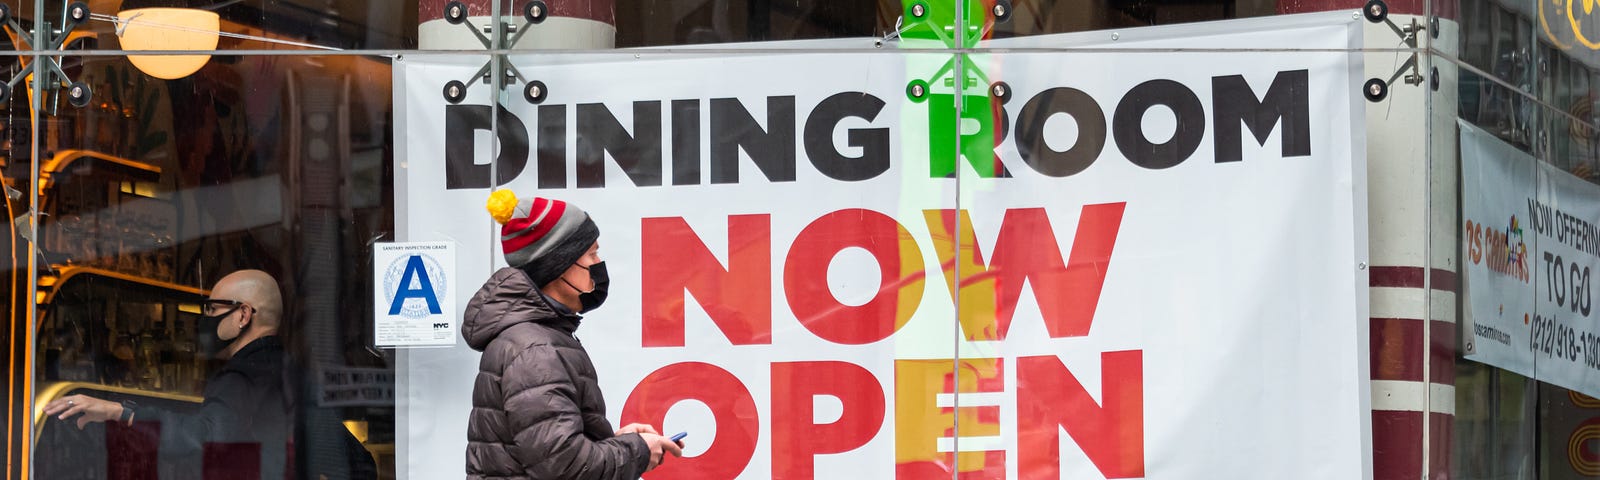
{"x":1530,"y":246}
{"x":1145,"y":264}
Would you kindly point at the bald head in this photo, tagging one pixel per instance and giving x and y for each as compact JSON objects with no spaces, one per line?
{"x":256,"y":288}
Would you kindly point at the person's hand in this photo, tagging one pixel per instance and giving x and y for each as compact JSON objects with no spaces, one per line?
{"x":637,"y":428}
{"x":659,"y":448}
{"x":92,"y":409}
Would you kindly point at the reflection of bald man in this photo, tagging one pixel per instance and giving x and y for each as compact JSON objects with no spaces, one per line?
{"x":255,"y":296}
{"x":246,"y":420}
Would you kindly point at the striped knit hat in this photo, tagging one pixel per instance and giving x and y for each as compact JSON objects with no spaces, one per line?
{"x":541,"y":236}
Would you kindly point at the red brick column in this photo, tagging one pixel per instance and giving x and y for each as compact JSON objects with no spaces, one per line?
{"x":1402,"y":388}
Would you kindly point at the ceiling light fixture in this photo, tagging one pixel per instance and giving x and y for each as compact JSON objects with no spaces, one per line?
{"x":170,"y":30}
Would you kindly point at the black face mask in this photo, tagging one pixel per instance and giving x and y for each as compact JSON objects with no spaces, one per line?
{"x":592,"y":299}
{"x":209,"y":343}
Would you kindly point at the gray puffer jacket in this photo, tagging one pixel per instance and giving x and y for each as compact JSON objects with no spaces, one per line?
{"x":536,"y":406}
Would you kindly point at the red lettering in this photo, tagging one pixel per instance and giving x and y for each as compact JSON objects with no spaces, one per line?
{"x":805,"y":277}
{"x":731,"y":406}
{"x":919,"y":422}
{"x":1026,"y":250}
{"x":738,"y":299}
{"x":795,"y":439}
{"x":978,"y":296}
{"x":1474,"y":242}
{"x":1050,"y":398}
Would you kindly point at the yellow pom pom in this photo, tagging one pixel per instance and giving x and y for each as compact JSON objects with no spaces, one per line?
{"x":501,"y":205}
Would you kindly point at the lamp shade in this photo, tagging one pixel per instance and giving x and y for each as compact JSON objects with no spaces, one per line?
{"x":168,"y":29}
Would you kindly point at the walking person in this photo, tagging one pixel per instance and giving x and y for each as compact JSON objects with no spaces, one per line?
{"x":537,"y":411}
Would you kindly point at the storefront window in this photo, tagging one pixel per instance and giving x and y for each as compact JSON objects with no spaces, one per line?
{"x":146,"y":191}
{"x":1526,"y":80}
{"x":845,"y":239}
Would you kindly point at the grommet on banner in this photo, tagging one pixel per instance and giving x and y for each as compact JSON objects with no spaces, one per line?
{"x":5,"y":13}
{"x":1433,"y":79}
{"x":455,"y":12}
{"x":1001,"y":10}
{"x":78,"y":94}
{"x":535,"y":11}
{"x":917,"y":91}
{"x":535,"y":92}
{"x":1000,"y":91}
{"x":1375,"y":90}
{"x":454,"y":91}
{"x":917,"y":10}
{"x":1375,"y":11}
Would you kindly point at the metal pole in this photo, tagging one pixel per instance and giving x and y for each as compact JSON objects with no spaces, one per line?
{"x":35,"y":103}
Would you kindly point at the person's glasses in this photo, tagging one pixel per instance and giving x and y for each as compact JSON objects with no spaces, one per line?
{"x":217,"y":307}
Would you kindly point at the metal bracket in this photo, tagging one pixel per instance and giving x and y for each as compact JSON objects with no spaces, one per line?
{"x":919,"y":11}
{"x":1376,"y":11}
{"x":533,"y":13}
{"x":919,"y":15}
{"x":78,"y":93}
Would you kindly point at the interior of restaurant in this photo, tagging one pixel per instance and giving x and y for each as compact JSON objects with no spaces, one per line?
{"x":280,"y":159}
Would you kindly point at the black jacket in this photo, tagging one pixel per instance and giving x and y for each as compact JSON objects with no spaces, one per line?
{"x":247,"y":417}
{"x":245,"y":408}
{"x":537,"y":412}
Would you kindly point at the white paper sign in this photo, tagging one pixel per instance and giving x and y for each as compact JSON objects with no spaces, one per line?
{"x":413,"y":301}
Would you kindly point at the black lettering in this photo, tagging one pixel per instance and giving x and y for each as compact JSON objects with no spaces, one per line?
{"x":638,"y":154}
{"x":685,"y":142}
{"x":1091,"y":131}
{"x":1127,"y":124}
{"x":772,"y":149}
{"x":460,"y":155}
{"x":1533,"y":217}
{"x":552,"y":146}
{"x":1287,"y":101}
{"x":1560,"y":284}
{"x":1546,"y":220}
{"x":873,"y":142}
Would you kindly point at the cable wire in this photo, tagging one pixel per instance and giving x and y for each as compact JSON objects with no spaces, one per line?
{"x":123,"y":24}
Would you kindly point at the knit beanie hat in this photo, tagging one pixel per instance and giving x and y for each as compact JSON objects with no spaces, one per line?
{"x":541,"y":236}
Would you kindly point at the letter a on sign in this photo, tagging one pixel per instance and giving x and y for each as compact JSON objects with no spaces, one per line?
{"x":413,"y":304}
{"x":415,"y":273}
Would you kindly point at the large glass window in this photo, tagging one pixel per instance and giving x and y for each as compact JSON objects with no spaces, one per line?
{"x":852,"y":239}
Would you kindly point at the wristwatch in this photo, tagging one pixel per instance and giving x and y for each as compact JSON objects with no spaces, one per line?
{"x":127,"y":412}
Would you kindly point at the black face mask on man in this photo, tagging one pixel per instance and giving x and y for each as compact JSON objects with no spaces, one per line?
{"x":210,"y":342}
{"x":592,"y":299}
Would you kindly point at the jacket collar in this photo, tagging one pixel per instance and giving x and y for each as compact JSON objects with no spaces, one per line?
{"x":506,"y":299}
{"x":259,"y":345}
{"x":565,"y":319}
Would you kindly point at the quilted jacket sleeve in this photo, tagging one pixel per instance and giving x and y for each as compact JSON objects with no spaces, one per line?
{"x":541,"y":405}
